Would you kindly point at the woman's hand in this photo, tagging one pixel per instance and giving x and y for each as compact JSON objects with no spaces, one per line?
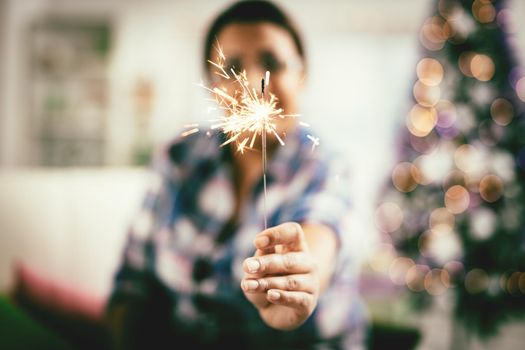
{"x":281,"y":280}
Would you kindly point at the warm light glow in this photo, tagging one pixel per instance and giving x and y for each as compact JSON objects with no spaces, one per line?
{"x":398,"y":270}
{"x":404,"y":177}
{"x":482,"y":67}
{"x":434,"y":33}
{"x":437,"y":281}
{"x":440,"y":243}
{"x":421,"y":178}
{"x":421,"y":120}
{"x":457,"y":199}
{"x":482,"y":223}
{"x":441,"y":216}
{"x":483,"y":11}
{"x":429,"y":71}
{"x":415,"y":277}
{"x":388,"y":217}
{"x":469,"y":159}
{"x":491,"y":188}
{"x":247,"y":113}
{"x":456,"y":271}
{"x":465,"y":58}
{"x":502,"y":111}
{"x":426,"y":95}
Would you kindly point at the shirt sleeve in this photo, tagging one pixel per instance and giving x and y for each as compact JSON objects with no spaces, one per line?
{"x":325,"y":195}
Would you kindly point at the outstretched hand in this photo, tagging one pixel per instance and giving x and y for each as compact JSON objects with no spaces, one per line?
{"x":281,"y":280}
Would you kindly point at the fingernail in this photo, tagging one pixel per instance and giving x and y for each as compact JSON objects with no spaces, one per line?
{"x":253,"y":265}
{"x":273,"y":295}
{"x":250,"y":285}
{"x":262,"y":242}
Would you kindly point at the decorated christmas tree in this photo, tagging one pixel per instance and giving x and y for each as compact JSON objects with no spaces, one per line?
{"x":454,"y":209}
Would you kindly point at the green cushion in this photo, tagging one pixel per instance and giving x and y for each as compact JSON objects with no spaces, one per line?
{"x":19,"y":331}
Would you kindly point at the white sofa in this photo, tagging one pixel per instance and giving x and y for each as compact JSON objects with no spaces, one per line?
{"x":67,"y":224}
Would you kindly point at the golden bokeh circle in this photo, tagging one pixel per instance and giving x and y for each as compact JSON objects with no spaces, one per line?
{"x":482,"y":67}
{"x":426,"y":95}
{"x":404,"y":177}
{"x":437,"y":281}
{"x":483,"y":11}
{"x":457,"y":199}
{"x":491,"y":188}
{"x":415,"y":277}
{"x":429,"y":71}
{"x":421,"y":120}
{"x":502,"y":111}
{"x":398,"y":270}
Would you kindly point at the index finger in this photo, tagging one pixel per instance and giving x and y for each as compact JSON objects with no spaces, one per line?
{"x":290,"y":234}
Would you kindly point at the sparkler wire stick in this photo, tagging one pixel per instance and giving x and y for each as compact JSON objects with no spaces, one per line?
{"x":263,"y":149}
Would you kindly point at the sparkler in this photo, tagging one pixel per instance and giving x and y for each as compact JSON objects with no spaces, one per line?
{"x":246,"y":114}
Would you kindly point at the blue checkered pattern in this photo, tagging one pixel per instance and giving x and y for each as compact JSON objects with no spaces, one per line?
{"x":183,"y":237}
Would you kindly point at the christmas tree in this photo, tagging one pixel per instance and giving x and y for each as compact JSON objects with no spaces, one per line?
{"x":454,"y":208}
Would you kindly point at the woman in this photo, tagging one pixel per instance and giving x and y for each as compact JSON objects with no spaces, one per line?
{"x":199,"y":266}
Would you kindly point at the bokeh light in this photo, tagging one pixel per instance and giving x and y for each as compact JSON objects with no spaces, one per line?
{"x":388,"y":217}
{"x":501,"y":111}
{"x":441,"y":216}
{"x":520,"y":88}
{"x":476,"y":281}
{"x":468,"y":159}
{"x":421,"y":120}
{"x":436,"y":165}
{"x":491,"y":188}
{"x":456,"y":272}
{"x":483,"y":11}
{"x":457,"y":199}
{"x":464,"y":62}
{"x":425,"y":95}
{"x":482,"y":223}
{"x":440,"y":243}
{"x":434,"y":32}
{"x":404,"y":177}
{"x":398,"y":270}
{"x":482,"y":67}
{"x":513,"y":283}
{"x":429,"y":71}
{"x":415,"y":277}
{"x":521,"y":282}
{"x":437,"y":281}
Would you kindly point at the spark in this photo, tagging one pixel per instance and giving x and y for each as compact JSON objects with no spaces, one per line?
{"x":189,"y":132}
{"x":315,"y":141}
{"x":247,"y":115}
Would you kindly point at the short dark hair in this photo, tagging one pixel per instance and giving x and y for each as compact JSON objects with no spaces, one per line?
{"x":251,"y":11}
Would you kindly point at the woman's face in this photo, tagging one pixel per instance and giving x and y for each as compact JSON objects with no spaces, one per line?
{"x":260,"y":47}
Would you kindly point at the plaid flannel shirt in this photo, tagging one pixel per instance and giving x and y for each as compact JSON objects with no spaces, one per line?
{"x":183,"y":237}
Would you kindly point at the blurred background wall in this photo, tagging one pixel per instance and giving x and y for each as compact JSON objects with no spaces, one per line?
{"x":89,"y":88}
